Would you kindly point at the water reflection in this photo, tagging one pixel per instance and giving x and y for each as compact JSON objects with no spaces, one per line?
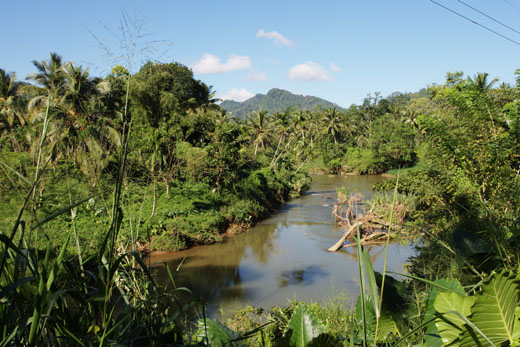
{"x":282,"y":257}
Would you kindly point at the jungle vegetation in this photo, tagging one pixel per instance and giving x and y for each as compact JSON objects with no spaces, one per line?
{"x":96,"y":170}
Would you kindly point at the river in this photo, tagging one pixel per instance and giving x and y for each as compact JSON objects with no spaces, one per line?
{"x":283,"y":257}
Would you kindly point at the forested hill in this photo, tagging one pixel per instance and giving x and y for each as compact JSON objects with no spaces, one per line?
{"x":276,"y":100}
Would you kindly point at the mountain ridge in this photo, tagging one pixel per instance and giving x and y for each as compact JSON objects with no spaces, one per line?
{"x":276,"y":100}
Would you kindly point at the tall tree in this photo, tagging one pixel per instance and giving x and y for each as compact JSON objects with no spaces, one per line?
{"x":161,"y":91}
{"x":10,"y":115}
{"x":332,"y":123}
{"x":259,"y":126}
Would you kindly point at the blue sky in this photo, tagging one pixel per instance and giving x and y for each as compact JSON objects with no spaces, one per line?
{"x":337,"y":50}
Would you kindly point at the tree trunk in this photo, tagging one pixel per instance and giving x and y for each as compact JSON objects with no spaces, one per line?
{"x":341,"y":241}
{"x":154,"y":197}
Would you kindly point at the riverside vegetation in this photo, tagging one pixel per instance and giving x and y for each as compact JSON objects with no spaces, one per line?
{"x":96,"y":170}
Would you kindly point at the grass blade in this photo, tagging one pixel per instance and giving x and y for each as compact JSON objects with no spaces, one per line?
{"x":371,"y":282}
{"x":60,"y":212}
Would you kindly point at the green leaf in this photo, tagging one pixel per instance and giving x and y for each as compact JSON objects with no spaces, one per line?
{"x":451,"y":325}
{"x":22,"y":177}
{"x":370,"y":317}
{"x":58,"y":263}
{"x":371,"y":279}
{"x":494,"y":312}
{"x":325,"y":340}
{"x":217,"y":334}
{"x":60,"y":212}
{"x":387,"y":324}
{"x":433,"y":338}
{"x":305,"y":325}
{"x":516,"y":326}
{"x":14,"y":285}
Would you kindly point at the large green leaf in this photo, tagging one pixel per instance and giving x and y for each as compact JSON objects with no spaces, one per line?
{"x":216,"y":334}
{"x":494,"y":312}
{"x":371,"y":281}
{"x":387,"y":324}
{"x":433,"y":338}
{"x":369,"y":321}
{"x":516,"y":327}
{"x":325,"y":340}
{"x":450,"y":325}
{"x":305,"y":326}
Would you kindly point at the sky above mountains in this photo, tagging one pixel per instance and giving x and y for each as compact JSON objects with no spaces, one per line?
{"x":337,"y":50}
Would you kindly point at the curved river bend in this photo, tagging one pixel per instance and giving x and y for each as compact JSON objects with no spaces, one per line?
{"x":283,"y":257}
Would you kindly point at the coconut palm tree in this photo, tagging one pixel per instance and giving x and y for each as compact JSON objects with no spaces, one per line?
{"x":10,"y":116}
{"x":259,"y":126}
{"x":300,"y":123}
{"x":76,"y":126}
{"x":282,"y":124}
{"x":49,"y":77}
{"x":331,"y":121}
{"x":480,"y":82}
{"x":79,"y":89}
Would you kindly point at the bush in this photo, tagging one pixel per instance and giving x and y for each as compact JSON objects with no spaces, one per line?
{"x":362,"y":161}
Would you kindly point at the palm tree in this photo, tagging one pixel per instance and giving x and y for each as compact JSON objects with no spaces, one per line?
{"x":79,"y":89}
{"x":300,"y":123}
{"x":259,"y":126}
{"x":332,"y":123}
{"x":480,"y":82}
{"x":9,"y":115}
{"x":282,"y":124}
{"x":72,"y":98}
{"x":49,"y":74}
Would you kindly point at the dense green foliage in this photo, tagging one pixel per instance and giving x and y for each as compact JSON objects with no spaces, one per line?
{"x":276,"y":100}
{"x":95,"y":169}
{"x":190,"y":172}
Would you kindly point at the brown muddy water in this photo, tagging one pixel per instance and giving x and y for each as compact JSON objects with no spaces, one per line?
{"x":283,"y":257}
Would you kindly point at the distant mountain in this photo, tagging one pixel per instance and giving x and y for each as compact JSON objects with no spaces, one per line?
{"x":275,"y":100}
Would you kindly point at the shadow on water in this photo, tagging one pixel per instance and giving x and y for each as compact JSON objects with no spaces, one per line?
{"x":305,"y":276}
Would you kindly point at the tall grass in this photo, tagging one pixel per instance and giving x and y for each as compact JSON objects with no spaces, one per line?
{"x":55,"y":298}
{"x":371,"y":330}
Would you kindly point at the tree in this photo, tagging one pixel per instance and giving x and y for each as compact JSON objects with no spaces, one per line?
{"x":10,"y":115}
{"x":77,"y":126}
{"x":480,"y":82}
{"x":259,"y":126}
{"x":161,"y":91}
{"x":332,"y":123}
{"x":49,"y":73}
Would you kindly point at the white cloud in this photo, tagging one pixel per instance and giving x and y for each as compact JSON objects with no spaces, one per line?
{"x":276,"y":36}
{"x":308,"y":72}
{"x":256,"y":76}
{"x":210,"y":64}
{"x":334,"y":67}
{"x":237,"y":95}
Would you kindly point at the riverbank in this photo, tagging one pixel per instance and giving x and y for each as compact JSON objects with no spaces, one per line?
{"x":194,"y":215}
{"x":249,"y":221}
{"x":282,"y":257}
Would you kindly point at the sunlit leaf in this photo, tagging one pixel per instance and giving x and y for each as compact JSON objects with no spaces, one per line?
{"x":305,"y":326}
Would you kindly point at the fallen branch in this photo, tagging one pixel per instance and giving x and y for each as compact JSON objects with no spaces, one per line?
{"x":369,"y":239}
{"x":366,"y":243}
{"x":341,"y":241}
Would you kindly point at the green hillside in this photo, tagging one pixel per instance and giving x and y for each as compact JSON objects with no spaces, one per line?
{"x":275,"y":100}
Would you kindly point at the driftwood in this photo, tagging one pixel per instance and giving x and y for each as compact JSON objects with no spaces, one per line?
{"x":341,"y":241}
{"x":366,"y":243}
{"x":373,"y":224}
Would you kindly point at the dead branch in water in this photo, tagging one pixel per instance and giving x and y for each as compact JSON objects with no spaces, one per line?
{"x":373,"y":223}
{"x":341,"y":241}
